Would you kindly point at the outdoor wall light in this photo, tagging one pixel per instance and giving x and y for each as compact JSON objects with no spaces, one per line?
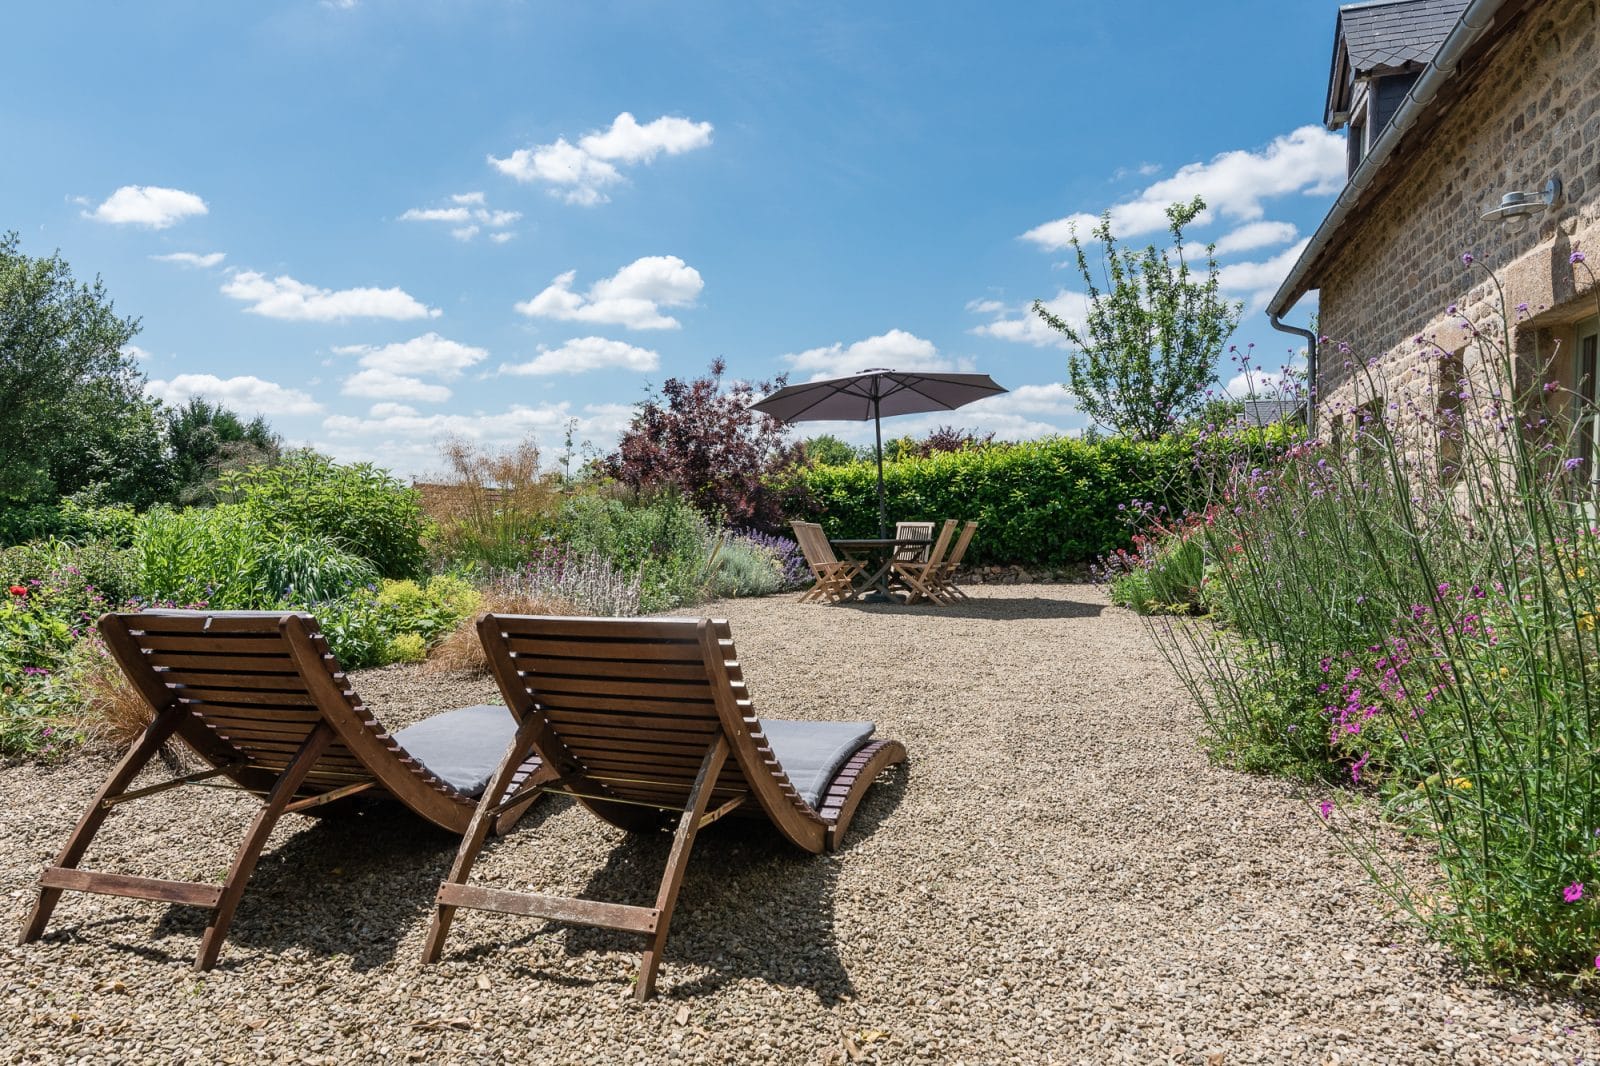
{"x":1517,"y":209}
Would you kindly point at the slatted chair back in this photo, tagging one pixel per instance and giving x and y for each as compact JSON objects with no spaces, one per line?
{"x":814,"y":545}
{"x":255,"y":685}
{"x":629,"y":709}
{"x":913,"y":553}
{"x":960,"y":550}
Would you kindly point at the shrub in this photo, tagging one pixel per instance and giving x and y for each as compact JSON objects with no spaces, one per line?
{"x":1049,"y":502}
{"x":39,"y":624}
{"x":662,"y":539}
{"x":1415,"y":613}
{"x":87,"y":578}
{"x":359,"y":508}
{"x":491,"y":507}
{"x":1163,"y":574}
{"x":744,"y":568}
{"x":229,"y":558}
{"x":396,"y":621}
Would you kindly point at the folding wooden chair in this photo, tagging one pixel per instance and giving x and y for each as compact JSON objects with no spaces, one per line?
{"x":260,"y":698}
{"x":918,"y":577}
{"x":913,"y":553}
{"x":647,"y":723}
{"x":835,"y":578}
{"x":945,"y":576}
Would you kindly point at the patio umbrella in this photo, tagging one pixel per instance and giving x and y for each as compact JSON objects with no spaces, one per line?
{"x":872,"y":394}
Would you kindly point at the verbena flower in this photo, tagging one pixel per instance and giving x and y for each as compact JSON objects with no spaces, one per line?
{"x":1573,"y":892}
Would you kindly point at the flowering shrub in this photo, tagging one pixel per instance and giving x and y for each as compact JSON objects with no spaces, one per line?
{"x":40,"y":622}
{"x":587,"y":580}
{"x":1165,"y":571}
{"x":1413,"y":613}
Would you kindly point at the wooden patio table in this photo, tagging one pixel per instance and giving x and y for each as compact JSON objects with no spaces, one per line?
{"x":882,"y":551}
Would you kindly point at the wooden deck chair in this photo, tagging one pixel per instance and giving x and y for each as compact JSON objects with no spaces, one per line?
{"x":835,"y":578}
{"x":945,"y":577}
{"x":919,"y":577}
{"x":260,"y":698}
{"x":647,"y":723}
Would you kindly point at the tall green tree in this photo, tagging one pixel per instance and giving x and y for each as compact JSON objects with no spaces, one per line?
{"x":73,"y":414}
{"x":1148,"y":348}
{"x":208,"y":440}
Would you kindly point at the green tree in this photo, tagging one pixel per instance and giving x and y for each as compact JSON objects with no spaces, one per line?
{"x":208,"y":440}
{"x":73,"y":414}
{"x":1148,"y":348}
{"x":828,"y":450}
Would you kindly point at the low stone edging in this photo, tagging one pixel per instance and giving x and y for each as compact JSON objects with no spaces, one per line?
{"x":1022,"y":575}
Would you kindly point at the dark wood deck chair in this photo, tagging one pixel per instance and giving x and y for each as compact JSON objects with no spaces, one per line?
{"x":945,"y":577}
{"x":647,"y":723}
{"x":260,"y":698}
{"x":835,"y":578}
{"x":920,"y":578}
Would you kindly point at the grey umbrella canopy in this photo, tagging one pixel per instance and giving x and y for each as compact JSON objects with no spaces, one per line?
{"x":873,"y":394}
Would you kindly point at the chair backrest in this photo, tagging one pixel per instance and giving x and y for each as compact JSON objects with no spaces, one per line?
{"x":626,"y":710}
{"x":814,"y":545}
{"x":936,"y":553}
{"x":960,"y":550}
{"x":255,"y":684}
{"x":917,"y":553}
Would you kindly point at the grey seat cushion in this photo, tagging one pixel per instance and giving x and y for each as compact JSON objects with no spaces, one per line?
{"x":811,"y":753}
{"x":461,"y":748}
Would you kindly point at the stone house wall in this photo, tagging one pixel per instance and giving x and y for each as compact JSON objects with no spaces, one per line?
{"x":1533,"y":111}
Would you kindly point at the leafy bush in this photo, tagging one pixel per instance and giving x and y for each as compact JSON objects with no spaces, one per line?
{"x":229,"y":558}
{"x":491,"y":508}
{"x":39,"y":625}
{"x":1048,"y":502}
{"x":744,"y":568}
{"x":86,"y":578}
{"x":1163,"y":574}
{"x":662,"y":539}
{"x":793,"y":569}
{"x":396,"y":621}
{"x":66,"y":519}
{"x":1417,"y":614}
{"x":360,"y":509}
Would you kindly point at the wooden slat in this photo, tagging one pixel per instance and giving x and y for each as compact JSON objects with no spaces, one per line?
{"x":630,"y":740}
{"x":558,"y":908}
{"x":265,"y":623}
{"x":584,"y":629}
{"x":195,"y":895}
{"x":266,"y":664}
{"x":229,"y":712}
{"x":599,"y":668}
{"x":648,"y":724}
{"x":672,"y":651}
{"x":555,"y":684}
{"x":286,"y":699}
{"x":233,"y":682}
{"x":215,"y":643}
{"x":593,"y":756}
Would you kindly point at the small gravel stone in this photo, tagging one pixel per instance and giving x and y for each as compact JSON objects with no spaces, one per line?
{"x":1057,"y":876}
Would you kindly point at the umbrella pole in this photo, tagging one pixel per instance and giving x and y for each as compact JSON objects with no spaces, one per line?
{"x":877,"y":432}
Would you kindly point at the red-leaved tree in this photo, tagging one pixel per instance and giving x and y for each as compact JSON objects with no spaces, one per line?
{"x":701,"y":438}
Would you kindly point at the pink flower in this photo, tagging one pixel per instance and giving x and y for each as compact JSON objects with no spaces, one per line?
{"x":1573,"y":892}
{"x":1326,"y":809}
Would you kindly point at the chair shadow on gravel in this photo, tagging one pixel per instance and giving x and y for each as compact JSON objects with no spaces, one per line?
{"x":352,"y":885}
{"x":997,"y":608}
{"x":752,"y":906}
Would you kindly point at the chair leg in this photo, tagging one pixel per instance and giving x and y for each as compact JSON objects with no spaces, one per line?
{"x":483,"y":820}
{"x":677,"y":863}
{"x":244,"y":860}
{"x":139,"y":753}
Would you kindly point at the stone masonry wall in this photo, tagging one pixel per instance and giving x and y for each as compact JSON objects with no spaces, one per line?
{"x":1534,"y":111}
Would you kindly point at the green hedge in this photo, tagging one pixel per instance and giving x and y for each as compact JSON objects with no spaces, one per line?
{"x":1044,"y":503}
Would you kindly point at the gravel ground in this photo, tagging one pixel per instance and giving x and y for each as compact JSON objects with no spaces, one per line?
{"x":1057,"y":877}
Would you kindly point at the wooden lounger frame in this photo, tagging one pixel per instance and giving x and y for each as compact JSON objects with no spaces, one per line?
{"x":639,"y":721}
{"x":260,"y":697}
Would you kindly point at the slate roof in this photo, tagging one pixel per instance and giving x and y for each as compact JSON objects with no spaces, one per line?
{"x":1394,"y":35}
{"x":1270,"y":412}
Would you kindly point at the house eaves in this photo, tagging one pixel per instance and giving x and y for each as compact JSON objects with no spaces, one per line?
{"x":1480,"y":28}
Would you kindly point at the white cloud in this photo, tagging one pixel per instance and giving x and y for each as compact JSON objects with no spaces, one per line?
{"x":1255,"y":235}
{"x":501,"y":238}
{"x":427,"y":354}
{"x":581,"y":172}
{"x":403,"y":440}
{"x":469,"y":215}
{"x":895,"y":350}
{"x":1256,"y":282}
{"x":134,"y":351}
{"x":583,"y":354}
{"x":247,"y":394}
{"x":1234,"y":184}
{"x":148,"y":205}
{"x":1022,"y":325}
{"x":631,"y":297}
{"x":284,"y":297}
{"x":194,"y":259}
{"x":378,"y":384}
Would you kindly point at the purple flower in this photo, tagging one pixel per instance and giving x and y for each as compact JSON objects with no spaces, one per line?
{"x":1575,"y":258}
{"x":1573,"y":892}
{"x":1326,"y":809}
{"x":1450,"y":310}
{"x":1359,"y":765}
{"x":1466,"y":258}
{"x":1572,"y":464}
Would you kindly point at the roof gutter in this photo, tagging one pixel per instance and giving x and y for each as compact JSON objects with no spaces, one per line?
{"x":1311,"y":368}
{"x":1477,"y":17}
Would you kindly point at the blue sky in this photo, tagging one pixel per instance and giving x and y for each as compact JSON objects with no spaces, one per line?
{"x":379,"y":222}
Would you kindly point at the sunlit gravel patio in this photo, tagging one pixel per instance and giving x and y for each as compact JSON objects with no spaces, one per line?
{"x":1058,"y":876}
